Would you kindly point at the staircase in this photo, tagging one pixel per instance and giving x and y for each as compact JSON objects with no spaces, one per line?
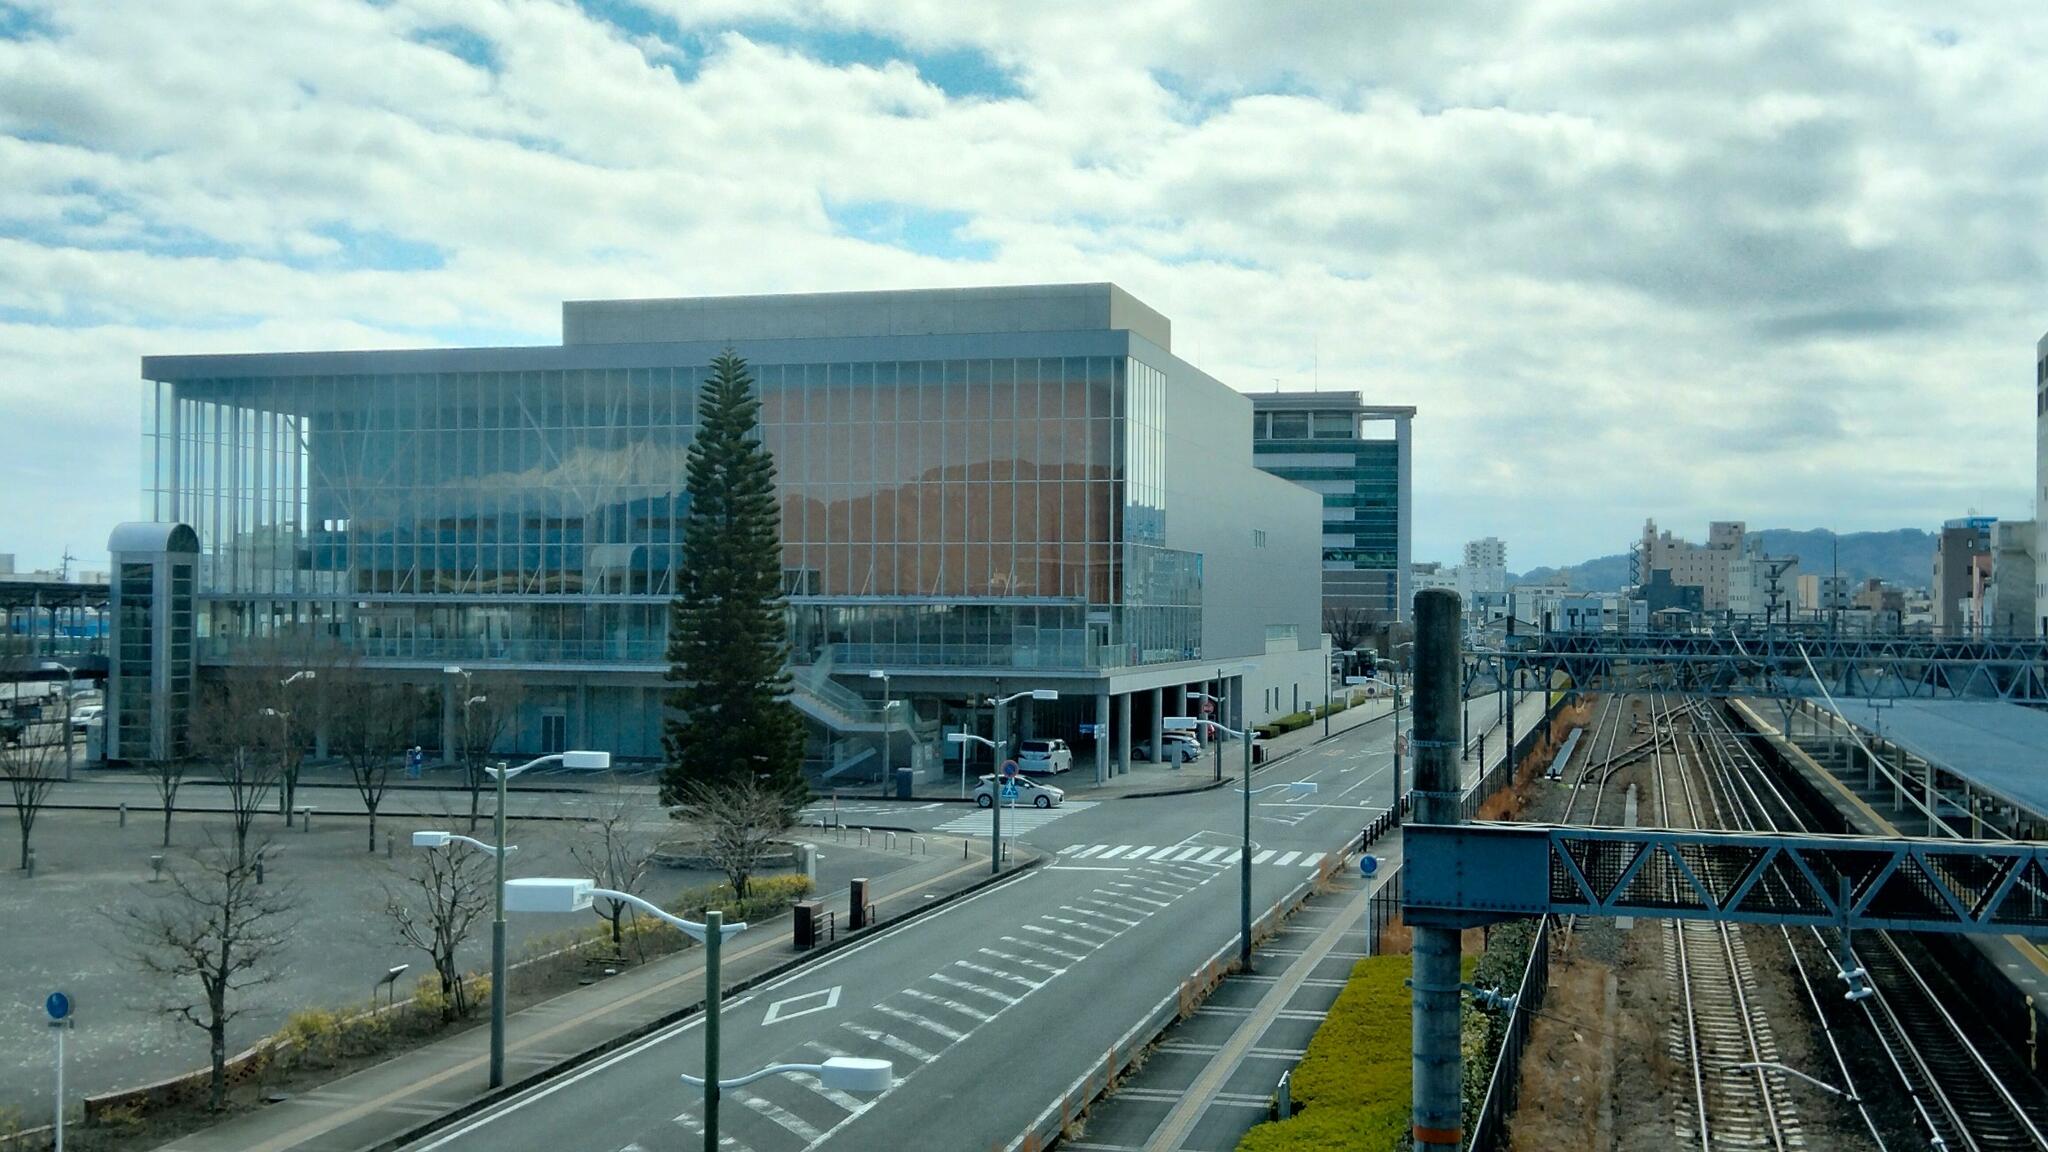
{"x":840,"y":709}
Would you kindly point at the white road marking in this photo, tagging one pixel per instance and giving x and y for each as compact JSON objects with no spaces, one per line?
{"x":924,"y":1022}
{"x":1163,"y":853}
{"x":883,"y":1038}
{"x":1210,"y":856}
{"x":955,"y":1005}
{"x":1003,"y":998}
{"x":1108,"y":934}
{"x":1013,"y":958}
{"x":1285,"y":860}
{"x":786,"y":1008}
{"x":1188,"y":852}
{"x":1262,"y":857}
{"x":1077,"y":957}
{"x":1115,"y":852}
{"x":845,"y":1100}
{"x":999,"y":974}
{"x":1102,"y":915}
{"x":696,"y":1126}
{"x":1085,"y":853}
{"x":801,"y":1128}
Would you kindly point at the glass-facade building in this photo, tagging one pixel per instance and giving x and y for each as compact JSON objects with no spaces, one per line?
{"x":1357,"y":458}
{"x":971,"y":483}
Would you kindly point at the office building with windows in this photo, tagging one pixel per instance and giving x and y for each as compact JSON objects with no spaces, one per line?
{"x":1357,"y":458}
{"x":980,"y":489}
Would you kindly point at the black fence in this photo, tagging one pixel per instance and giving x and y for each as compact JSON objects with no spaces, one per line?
{"x":1502,"y":774}
{"x":1490,"y":1130}
{"x":1383,"y":909}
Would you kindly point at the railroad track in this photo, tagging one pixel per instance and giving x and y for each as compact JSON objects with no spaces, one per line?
{"x":1958,"y":1090}
{"x":1719,"y":1029}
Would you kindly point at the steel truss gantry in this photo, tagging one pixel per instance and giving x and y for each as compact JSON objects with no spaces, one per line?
{"x":1786,"y":664}
{"x":1464,"y":875}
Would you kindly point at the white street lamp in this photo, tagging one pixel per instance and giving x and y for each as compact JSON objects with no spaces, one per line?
{"x":888,"y":747}
{"x":559,"y":894}
{"x":437,"y":839}
{"x":967,"y":738}
{"x":70,"y":687}
{"x":995,"y":811}
{"x":1295,"y":790}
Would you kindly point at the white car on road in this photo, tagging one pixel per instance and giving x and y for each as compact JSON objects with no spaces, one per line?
{"x":1044,"y":757}
{"x":1018,"y":790}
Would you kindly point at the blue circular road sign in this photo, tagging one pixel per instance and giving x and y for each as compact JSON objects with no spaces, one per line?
{"x":58,"y":1005}
{"x":1368,"y":864}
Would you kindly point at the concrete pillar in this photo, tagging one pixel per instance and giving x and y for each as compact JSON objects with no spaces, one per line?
{"x":1158,"y":700}
{"x":1102,"y":737}
{"x":450,"y":741}
{"x":1179,"y":703}
{"x":579,"y":715}
{"x":1123,"y":733}
{"x":1437,"y":1060}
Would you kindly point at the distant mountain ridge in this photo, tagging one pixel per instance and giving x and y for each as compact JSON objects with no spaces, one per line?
{"x":1903,"y":556}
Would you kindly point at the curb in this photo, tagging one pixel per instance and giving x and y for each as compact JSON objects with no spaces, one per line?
{"x":640,"y":1032}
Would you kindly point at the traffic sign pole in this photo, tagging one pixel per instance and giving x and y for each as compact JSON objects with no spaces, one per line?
{"x":58,"y":1005}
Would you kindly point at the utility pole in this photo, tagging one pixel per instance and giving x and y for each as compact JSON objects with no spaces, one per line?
{"x":1438,"y":1063}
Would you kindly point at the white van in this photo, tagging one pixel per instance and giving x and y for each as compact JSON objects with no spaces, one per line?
{"x":1044,"y":757}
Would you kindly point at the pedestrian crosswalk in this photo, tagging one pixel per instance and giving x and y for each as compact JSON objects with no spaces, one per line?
{"x":1016,"y":821}
{"x":1184,"y":854}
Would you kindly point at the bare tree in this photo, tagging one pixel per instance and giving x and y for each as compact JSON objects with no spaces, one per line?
{"x":739,"y":821}
{"x":370,"y":727}
{"x":235,"y":723}
{"x":1350,"y":626}
{"x":485,"y":714}
{"x":33,"y":769}
{"x":446,"y":894}
{"x":167,"y":775}
{"x":215,"y":928}
{"x":615,"y":851}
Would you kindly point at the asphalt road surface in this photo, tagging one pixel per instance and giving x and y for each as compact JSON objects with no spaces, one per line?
{"x":989,"y":1008}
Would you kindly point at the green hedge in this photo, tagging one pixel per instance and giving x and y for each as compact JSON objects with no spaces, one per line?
{"x":1355,"y":1088}
{"x":1287,"y":723}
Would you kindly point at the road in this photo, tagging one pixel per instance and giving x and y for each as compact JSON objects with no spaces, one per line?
{"x":989,"y":1008}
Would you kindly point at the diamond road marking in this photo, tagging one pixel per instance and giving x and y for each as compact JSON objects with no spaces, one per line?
{"x":787,"y":1009}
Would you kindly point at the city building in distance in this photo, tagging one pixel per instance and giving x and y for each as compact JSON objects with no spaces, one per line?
{"x":1358,"y":458}
{"x":1017,"y":487}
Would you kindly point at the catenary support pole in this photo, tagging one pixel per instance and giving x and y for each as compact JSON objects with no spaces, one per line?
{"x":1438,"y":1063}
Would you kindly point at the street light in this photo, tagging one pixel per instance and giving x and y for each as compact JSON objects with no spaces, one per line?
{"x":559,"y":894}
{"x":69,"y":688}
{"x":1295,"y":789}
{"x":1222,"y":678}
{"x":995,"y":811}
{"x":1390,"y":666}
{"x":967,"y":738}
{"x":437,"y":839}
{"x":889,"y":748}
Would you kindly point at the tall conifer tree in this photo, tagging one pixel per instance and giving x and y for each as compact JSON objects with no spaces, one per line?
{"x":728,"y":637}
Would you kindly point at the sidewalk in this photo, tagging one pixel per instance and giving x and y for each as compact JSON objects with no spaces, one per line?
{"x":381,"y":1105}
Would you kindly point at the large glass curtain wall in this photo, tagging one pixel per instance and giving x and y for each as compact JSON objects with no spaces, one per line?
{"x":437,"y":515}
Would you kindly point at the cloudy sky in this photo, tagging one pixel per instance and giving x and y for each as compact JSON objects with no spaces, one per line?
{"x":1776,"y":261}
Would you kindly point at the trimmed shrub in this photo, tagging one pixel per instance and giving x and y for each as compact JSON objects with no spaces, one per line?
{"x":1355,"y":1086}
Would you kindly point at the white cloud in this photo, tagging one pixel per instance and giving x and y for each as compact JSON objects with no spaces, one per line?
{"x":1711,"y":260}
